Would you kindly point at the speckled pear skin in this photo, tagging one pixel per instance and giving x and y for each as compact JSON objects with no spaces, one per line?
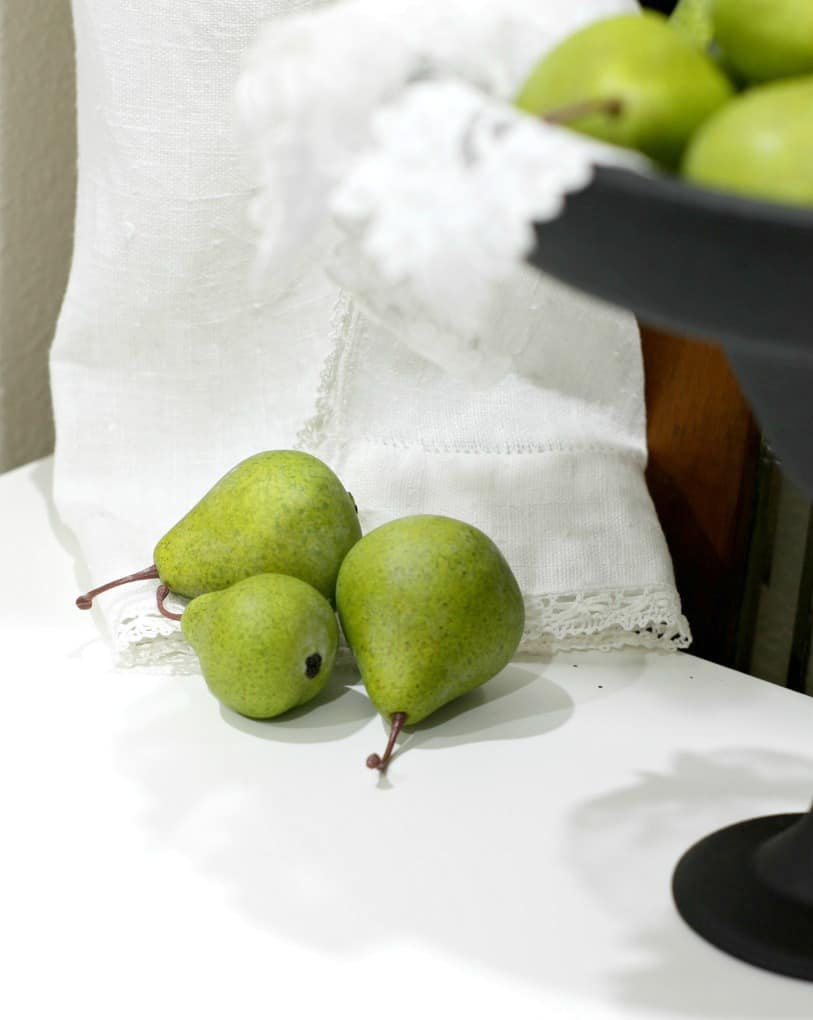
{"x":265,"y":645}
{"x":281,"y":511}
{"x":430,"y":609}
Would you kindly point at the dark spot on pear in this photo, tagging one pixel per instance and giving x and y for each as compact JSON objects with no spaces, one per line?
{"x":313,"y":664}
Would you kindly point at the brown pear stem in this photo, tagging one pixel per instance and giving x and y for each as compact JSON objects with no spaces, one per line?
{"x":375,"y":761}
{"x":160,"y":595}
{"x":575,"y":111}
{"x":147,"y":574}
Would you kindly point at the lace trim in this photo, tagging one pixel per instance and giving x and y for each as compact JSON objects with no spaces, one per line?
{"x":648,"y":617}
{"x":342,"y":323}
{"x":147,"y":640}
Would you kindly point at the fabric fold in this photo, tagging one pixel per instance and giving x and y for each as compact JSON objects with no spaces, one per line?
{"x":174,"y":359}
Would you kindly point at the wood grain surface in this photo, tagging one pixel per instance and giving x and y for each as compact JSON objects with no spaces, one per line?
{"x":703,"y":475}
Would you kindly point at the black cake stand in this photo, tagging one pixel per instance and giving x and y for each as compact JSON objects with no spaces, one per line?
{"x":707,"y":265}
{"x":740,"y":272}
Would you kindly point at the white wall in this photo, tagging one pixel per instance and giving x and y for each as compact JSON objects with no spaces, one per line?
{"x":37,"y":184}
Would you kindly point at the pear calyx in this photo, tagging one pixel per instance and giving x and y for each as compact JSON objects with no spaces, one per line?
{"x":313,"y":664}
{"x":147,"y":574}
{"x":375,"y":761}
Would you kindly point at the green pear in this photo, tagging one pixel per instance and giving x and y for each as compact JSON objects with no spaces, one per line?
{"x":630,"y":80}
{"x":759,"y":145}
{"x":765,"y":39}
{"x":266,"y":644}
{"x":281,"y":511}
{"x":692,"y":18}
{"x":431,"y":610}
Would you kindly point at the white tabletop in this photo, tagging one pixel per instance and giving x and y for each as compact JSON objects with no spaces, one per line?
{"x":163,"y":857}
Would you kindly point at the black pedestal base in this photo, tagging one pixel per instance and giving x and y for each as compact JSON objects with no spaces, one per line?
{"x":718,"y":894}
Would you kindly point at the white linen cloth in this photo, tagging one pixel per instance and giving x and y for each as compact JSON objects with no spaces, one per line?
{"x":393,"y":122}
{"x":173,"y":359}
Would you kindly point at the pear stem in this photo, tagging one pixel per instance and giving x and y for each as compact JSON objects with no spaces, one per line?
{"x":575,"y":111}
{"x":147,"y":574}
{"x":160,"y":595}
{"x":375,"y":761}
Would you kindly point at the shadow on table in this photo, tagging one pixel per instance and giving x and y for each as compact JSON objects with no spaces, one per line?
{"x":339,"y":710}
{"x":513,"y":704}
{"x":467,"y":865}
{"x":309,"y":851}
{"x":42,"y":475}
{"x":633,"y":838}
{"x":312,"y":877}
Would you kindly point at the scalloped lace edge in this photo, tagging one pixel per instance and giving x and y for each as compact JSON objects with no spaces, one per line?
{"x":344,"y":321}
{"x":644,"y":617}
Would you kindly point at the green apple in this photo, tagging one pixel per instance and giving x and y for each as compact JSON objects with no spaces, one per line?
{"x":765,"y":39}
{"x":630,"y":80}
{"x":760,"y":144}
